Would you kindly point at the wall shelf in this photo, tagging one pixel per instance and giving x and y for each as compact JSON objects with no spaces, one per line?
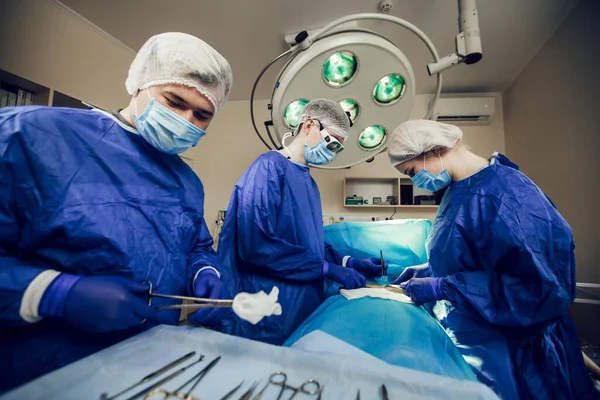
{"x":389,"y":206}
{"x":400,"y":189}
{"x":41,"y":95}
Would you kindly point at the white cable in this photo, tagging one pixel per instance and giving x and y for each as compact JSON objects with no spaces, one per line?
{"x":398,"y":21}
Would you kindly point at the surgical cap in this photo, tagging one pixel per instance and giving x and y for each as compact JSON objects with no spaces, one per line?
{"x":414,"y":138}
{"x":331,"y":115}
{"x":179,"y":58}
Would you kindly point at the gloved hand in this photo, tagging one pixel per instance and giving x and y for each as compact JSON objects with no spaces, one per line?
{"x":209,"y":285}
{"x":368,"y":267}
{"x":97,"y":303}
{"x":418,"y":271}
{"x":347,"y":277}
{"x":424,"y":290}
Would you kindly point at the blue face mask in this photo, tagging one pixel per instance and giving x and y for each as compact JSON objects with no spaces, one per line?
{"x":165,"y":130}
{"x":319,"y":154}
{"x":426,"y":180}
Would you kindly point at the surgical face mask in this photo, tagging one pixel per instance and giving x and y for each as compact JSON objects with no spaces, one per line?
{"x":166,"y":130}
{"x":319,"y":154}
{"x":426,"y":180}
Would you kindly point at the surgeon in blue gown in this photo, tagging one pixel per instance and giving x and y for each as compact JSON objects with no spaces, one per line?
{"x":273,"y":230}
{"x":501,"y":266}
{"x":94,"y":203}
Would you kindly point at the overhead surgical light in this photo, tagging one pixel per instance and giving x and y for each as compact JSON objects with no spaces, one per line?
{"x":389,"y":89}
{"x":366,"y":73}
{"x":340,"y":68}
{"x":372,"y":137}
{"x":293,"y":111}
{"x":352,"y":108}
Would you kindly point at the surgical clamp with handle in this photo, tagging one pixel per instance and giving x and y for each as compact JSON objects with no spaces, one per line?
{"x":197,"y":302}
{"x":280,"y":379}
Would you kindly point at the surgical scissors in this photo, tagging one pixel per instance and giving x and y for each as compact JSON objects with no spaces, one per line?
{"x":157,"y":393}
{"x":198,"y":302}
{"x":280,"y":379}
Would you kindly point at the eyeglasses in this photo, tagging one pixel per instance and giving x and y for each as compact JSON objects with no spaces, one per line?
{"x":330,"y":142}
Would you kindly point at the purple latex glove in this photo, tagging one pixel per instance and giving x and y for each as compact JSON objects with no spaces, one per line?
{"x":209,"y":285}
{"x":347,"y":277}
{"x":368,"y":267}
{"x":424,"y":290}
{"x":97,"y":303}
{"x":418,"y":271}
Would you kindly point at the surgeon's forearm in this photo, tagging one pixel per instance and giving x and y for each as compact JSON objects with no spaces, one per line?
{"x":332,"y":255}
{"x":200,"y":261}
{"x":21,"y":289}
{"x":281,"y":259}
{"x":296,"y":271}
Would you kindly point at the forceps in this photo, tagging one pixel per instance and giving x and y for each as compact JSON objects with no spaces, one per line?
{"x":164,"y":394}
{"x":280,"y":379}
{"x":151,"y":376}
{"x":164,"y":380}
{"x":198,"y":302}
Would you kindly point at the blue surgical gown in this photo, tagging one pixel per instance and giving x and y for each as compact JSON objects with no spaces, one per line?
{"x":273,"y":236}
{"x":83,"y":194}
{"x":508,"y":263}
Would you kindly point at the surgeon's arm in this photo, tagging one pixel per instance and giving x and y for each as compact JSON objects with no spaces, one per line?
{"x":518,"y":286}
{"x":333,"y":256}
{"x":21,"y":289}
{"x":202,"y":257}
{"x":260,"y":247}
{"x":21,"y":284}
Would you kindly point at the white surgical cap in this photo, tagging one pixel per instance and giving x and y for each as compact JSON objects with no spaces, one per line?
{"x":331,"y":115}
{"x":179,"y":58}
{"x":414,"y":138}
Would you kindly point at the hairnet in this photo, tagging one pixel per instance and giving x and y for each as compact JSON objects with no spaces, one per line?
{"x":181,"y":59}
{"x":331,"y":115}
{"x":413,"y":138}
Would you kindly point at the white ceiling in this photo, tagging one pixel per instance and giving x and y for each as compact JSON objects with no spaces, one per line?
{"x":249,"y":33}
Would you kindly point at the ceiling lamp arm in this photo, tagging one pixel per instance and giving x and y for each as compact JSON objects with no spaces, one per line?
{"x":258,"y":78}
{"x":468,"y":41}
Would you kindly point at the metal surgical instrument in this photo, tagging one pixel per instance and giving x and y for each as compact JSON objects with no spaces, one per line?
{"x":280,"y":379}
{"x":259,"y":394}
{"x":383,"y":274}
{"x":157,"y":393}
{"x":197,"y":302}
{"x":248,"y":394}
{"x":164,"y":380}
{"x":232,"y":391}
{"x":384,"y":392}
{"x":151,"y":376}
